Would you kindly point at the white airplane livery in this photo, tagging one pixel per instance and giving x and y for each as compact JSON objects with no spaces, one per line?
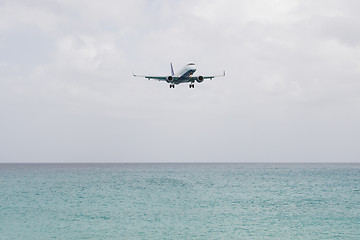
{"x":185,"y":75}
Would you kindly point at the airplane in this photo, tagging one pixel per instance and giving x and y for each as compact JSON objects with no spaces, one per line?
{"x":185,"y":75}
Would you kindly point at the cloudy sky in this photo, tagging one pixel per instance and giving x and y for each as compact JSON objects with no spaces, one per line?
{"x":291,"y":94}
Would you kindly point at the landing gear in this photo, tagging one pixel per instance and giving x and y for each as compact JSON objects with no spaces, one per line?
{"x":172,"y":85}
{"x":191,"y":85}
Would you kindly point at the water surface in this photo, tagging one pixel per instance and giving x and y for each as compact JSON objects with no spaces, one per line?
{"x":180,"y":201}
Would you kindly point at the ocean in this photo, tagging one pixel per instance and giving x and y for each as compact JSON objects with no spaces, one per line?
{"x":180,"y":201}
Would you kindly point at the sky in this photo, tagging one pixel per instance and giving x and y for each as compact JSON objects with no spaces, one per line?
{"x":291,"y":91}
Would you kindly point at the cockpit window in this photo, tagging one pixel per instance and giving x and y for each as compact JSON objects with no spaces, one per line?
{"x":191,"y":64}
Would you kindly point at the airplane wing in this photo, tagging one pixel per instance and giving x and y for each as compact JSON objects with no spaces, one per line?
{"x":207,"y":77}
{"x":160,"y":78}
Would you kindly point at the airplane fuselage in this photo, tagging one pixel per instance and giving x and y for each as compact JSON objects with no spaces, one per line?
{"x":184,"y":74}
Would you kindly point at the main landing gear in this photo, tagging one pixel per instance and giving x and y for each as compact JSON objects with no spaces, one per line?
{"x":190,"y":86}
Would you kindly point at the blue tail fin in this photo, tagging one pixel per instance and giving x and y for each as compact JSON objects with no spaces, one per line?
{"x":172,"y":70}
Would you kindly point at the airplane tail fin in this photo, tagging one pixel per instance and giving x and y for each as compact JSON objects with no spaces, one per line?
{"x":172,"y":70}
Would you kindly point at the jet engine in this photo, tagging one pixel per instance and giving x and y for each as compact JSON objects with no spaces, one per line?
{"x":200,"y":79}
{"x":169,"y":78}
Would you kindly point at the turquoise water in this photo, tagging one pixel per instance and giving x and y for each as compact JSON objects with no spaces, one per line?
{"x":180,"y":201}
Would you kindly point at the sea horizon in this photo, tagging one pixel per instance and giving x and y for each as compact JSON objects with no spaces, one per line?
{"x":181,"y":163}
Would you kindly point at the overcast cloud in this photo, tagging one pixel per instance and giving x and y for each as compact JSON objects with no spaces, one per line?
{"x":291,"y":94}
